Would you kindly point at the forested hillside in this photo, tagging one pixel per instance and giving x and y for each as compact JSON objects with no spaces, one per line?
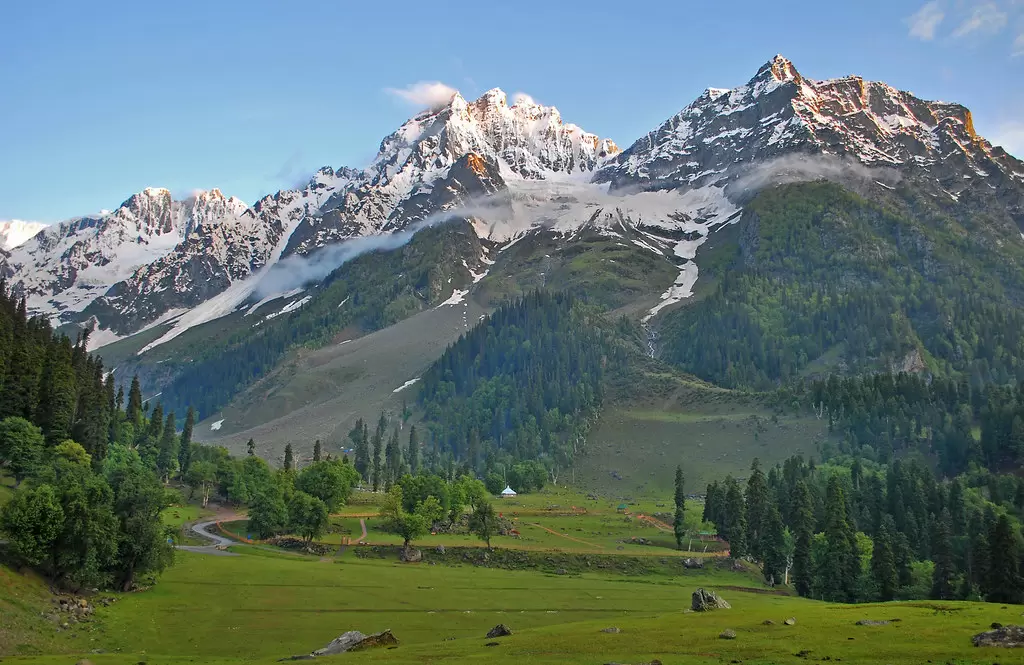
{"x":525,"y":384}
{"x":823,"y":279}
{"x":370,"y":292}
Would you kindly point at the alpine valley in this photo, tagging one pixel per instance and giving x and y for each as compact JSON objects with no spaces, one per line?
{"x":764,"y":236}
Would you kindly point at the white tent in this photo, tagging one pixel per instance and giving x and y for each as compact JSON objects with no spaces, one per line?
{"x":507,"y":492}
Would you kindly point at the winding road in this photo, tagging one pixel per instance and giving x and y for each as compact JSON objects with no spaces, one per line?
{"x":203,"y":530}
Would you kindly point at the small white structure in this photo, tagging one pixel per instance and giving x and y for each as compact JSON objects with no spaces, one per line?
{"x":507,"y":492}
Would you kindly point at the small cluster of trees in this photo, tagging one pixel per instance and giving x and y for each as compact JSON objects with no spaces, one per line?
{"x":383,"y":459}
{"x":83,"y":524}
{"x":856,"y":531}
{"x":416,"y":503}
{"x":291,"y":501}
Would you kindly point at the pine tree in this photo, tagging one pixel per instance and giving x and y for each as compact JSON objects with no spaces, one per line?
{"x":944,"y":573}
{"x":803,"y":529}
{"x":1004,"y":581}
{"x":679,"y":523}
{"x":361,"y":447}
{"x":834,"y":570}
{"x":134,"y":409}
{"x":883,"y":562}
{"x":736,"y":519}
{"x":757,"y":510}
{"x":289,"y":459}
{"x":378,"y":451}
{"x":58,"y":394}
{"x":185,"y":445}
{"x":710,"y":504}
{"x":167,"y":458}
{"x":413,"y":453}
{"x":250,"y":447}
{"x":317,"y":451}
{"x":773,"y":541}
{"x":393,"y":460}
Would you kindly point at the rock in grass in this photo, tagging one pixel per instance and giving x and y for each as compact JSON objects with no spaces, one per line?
{"x":873,"y":622}
{"x":492,"y":644}
{"x":611,"y":629}
{"x":1007,"y":636}
{"x":693,"y":563}
{"x":353,"y":640}
{"x":727,"y":634}
{"x":705,"y":601}
{"x":767,"y":622}
{"x":501,"y":630}
{"x":411,"y":555}
{"x":791,"y":621}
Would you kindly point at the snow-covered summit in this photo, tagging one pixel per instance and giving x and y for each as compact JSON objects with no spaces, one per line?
{"x":524,"y":140}
{"x":15,"y":232}
{"x":779,"y":111}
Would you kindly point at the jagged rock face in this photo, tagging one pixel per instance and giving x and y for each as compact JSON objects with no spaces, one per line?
{"x":65,"y":267}
{"x":780,"y":112}
{"x":525,"y":140}
{"x":212,"y":256}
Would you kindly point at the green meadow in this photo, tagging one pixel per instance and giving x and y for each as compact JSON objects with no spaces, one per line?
{"x":265,"y":604}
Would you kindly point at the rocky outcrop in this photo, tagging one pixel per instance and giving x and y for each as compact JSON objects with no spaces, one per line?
{"x":706,"y":601}
{"x":1005,"y":636}
{"x":501,"y":630}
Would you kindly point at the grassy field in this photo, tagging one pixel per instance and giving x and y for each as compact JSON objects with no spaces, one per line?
{"x":633,"y":452}
{"x":259,"y":607}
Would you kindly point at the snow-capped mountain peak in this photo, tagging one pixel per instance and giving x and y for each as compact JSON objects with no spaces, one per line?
{"x":407,"y":179}
{"x":779,"y":112}
{"x":14,"y":232}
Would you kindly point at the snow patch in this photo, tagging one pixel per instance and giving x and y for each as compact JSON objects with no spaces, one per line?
{"x":216,"y":426}
{"x":457,"y":297}
{"x":405,"y":385}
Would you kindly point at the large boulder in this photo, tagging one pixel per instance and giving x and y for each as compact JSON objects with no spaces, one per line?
{"x":1005,"y":636}
{"x":353,"y":640}
{"x":501,"y":630}
{"x":705,"y":601}
{"x":411,"y":555}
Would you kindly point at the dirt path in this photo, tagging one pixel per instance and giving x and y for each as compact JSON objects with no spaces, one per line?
{"x":207,"y":530}
{"x":362,"y":525}
{"x":576,"y":540}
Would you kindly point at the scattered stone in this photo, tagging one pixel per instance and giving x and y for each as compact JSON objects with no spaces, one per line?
{"x":561,"y":571}
{"x":1006,"y":636}
{"x":693,"y":563}
{"x":440,"y":549}
{"x":727,"y":634}
{"x":705,"y":601}
{"x":767,"y":622}
{"x":996,"y":625}
{"x":873,"y":622}
{"x":353,"y":640}
{"x":687,"y":611}
{"x":803,"y":653}
{"x":492,"y":644}
{"x":611,"y":629}
{"x":84,"y":661}
{"x":501,"y":630}
{"x":791,"y":621}
{"x":411,"y":555}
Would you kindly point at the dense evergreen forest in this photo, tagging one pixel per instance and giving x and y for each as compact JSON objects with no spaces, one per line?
{"x":93,"y":466}
{"x":525,"y":384}
{"x":854,"y":531}
{"x":822,"y":278}
{"x":367,"y":293}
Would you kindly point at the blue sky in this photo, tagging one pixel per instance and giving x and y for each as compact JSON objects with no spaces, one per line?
{"x":101,"y":99}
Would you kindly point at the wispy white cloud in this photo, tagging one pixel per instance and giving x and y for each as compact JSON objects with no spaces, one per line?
{"x":1018,"y":45}
{"x":430,"y":94}
{"x":925,"y":21}
{"x":1010,"y":135}
{"x":986,"y":18}
{"x":522,"y":98}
